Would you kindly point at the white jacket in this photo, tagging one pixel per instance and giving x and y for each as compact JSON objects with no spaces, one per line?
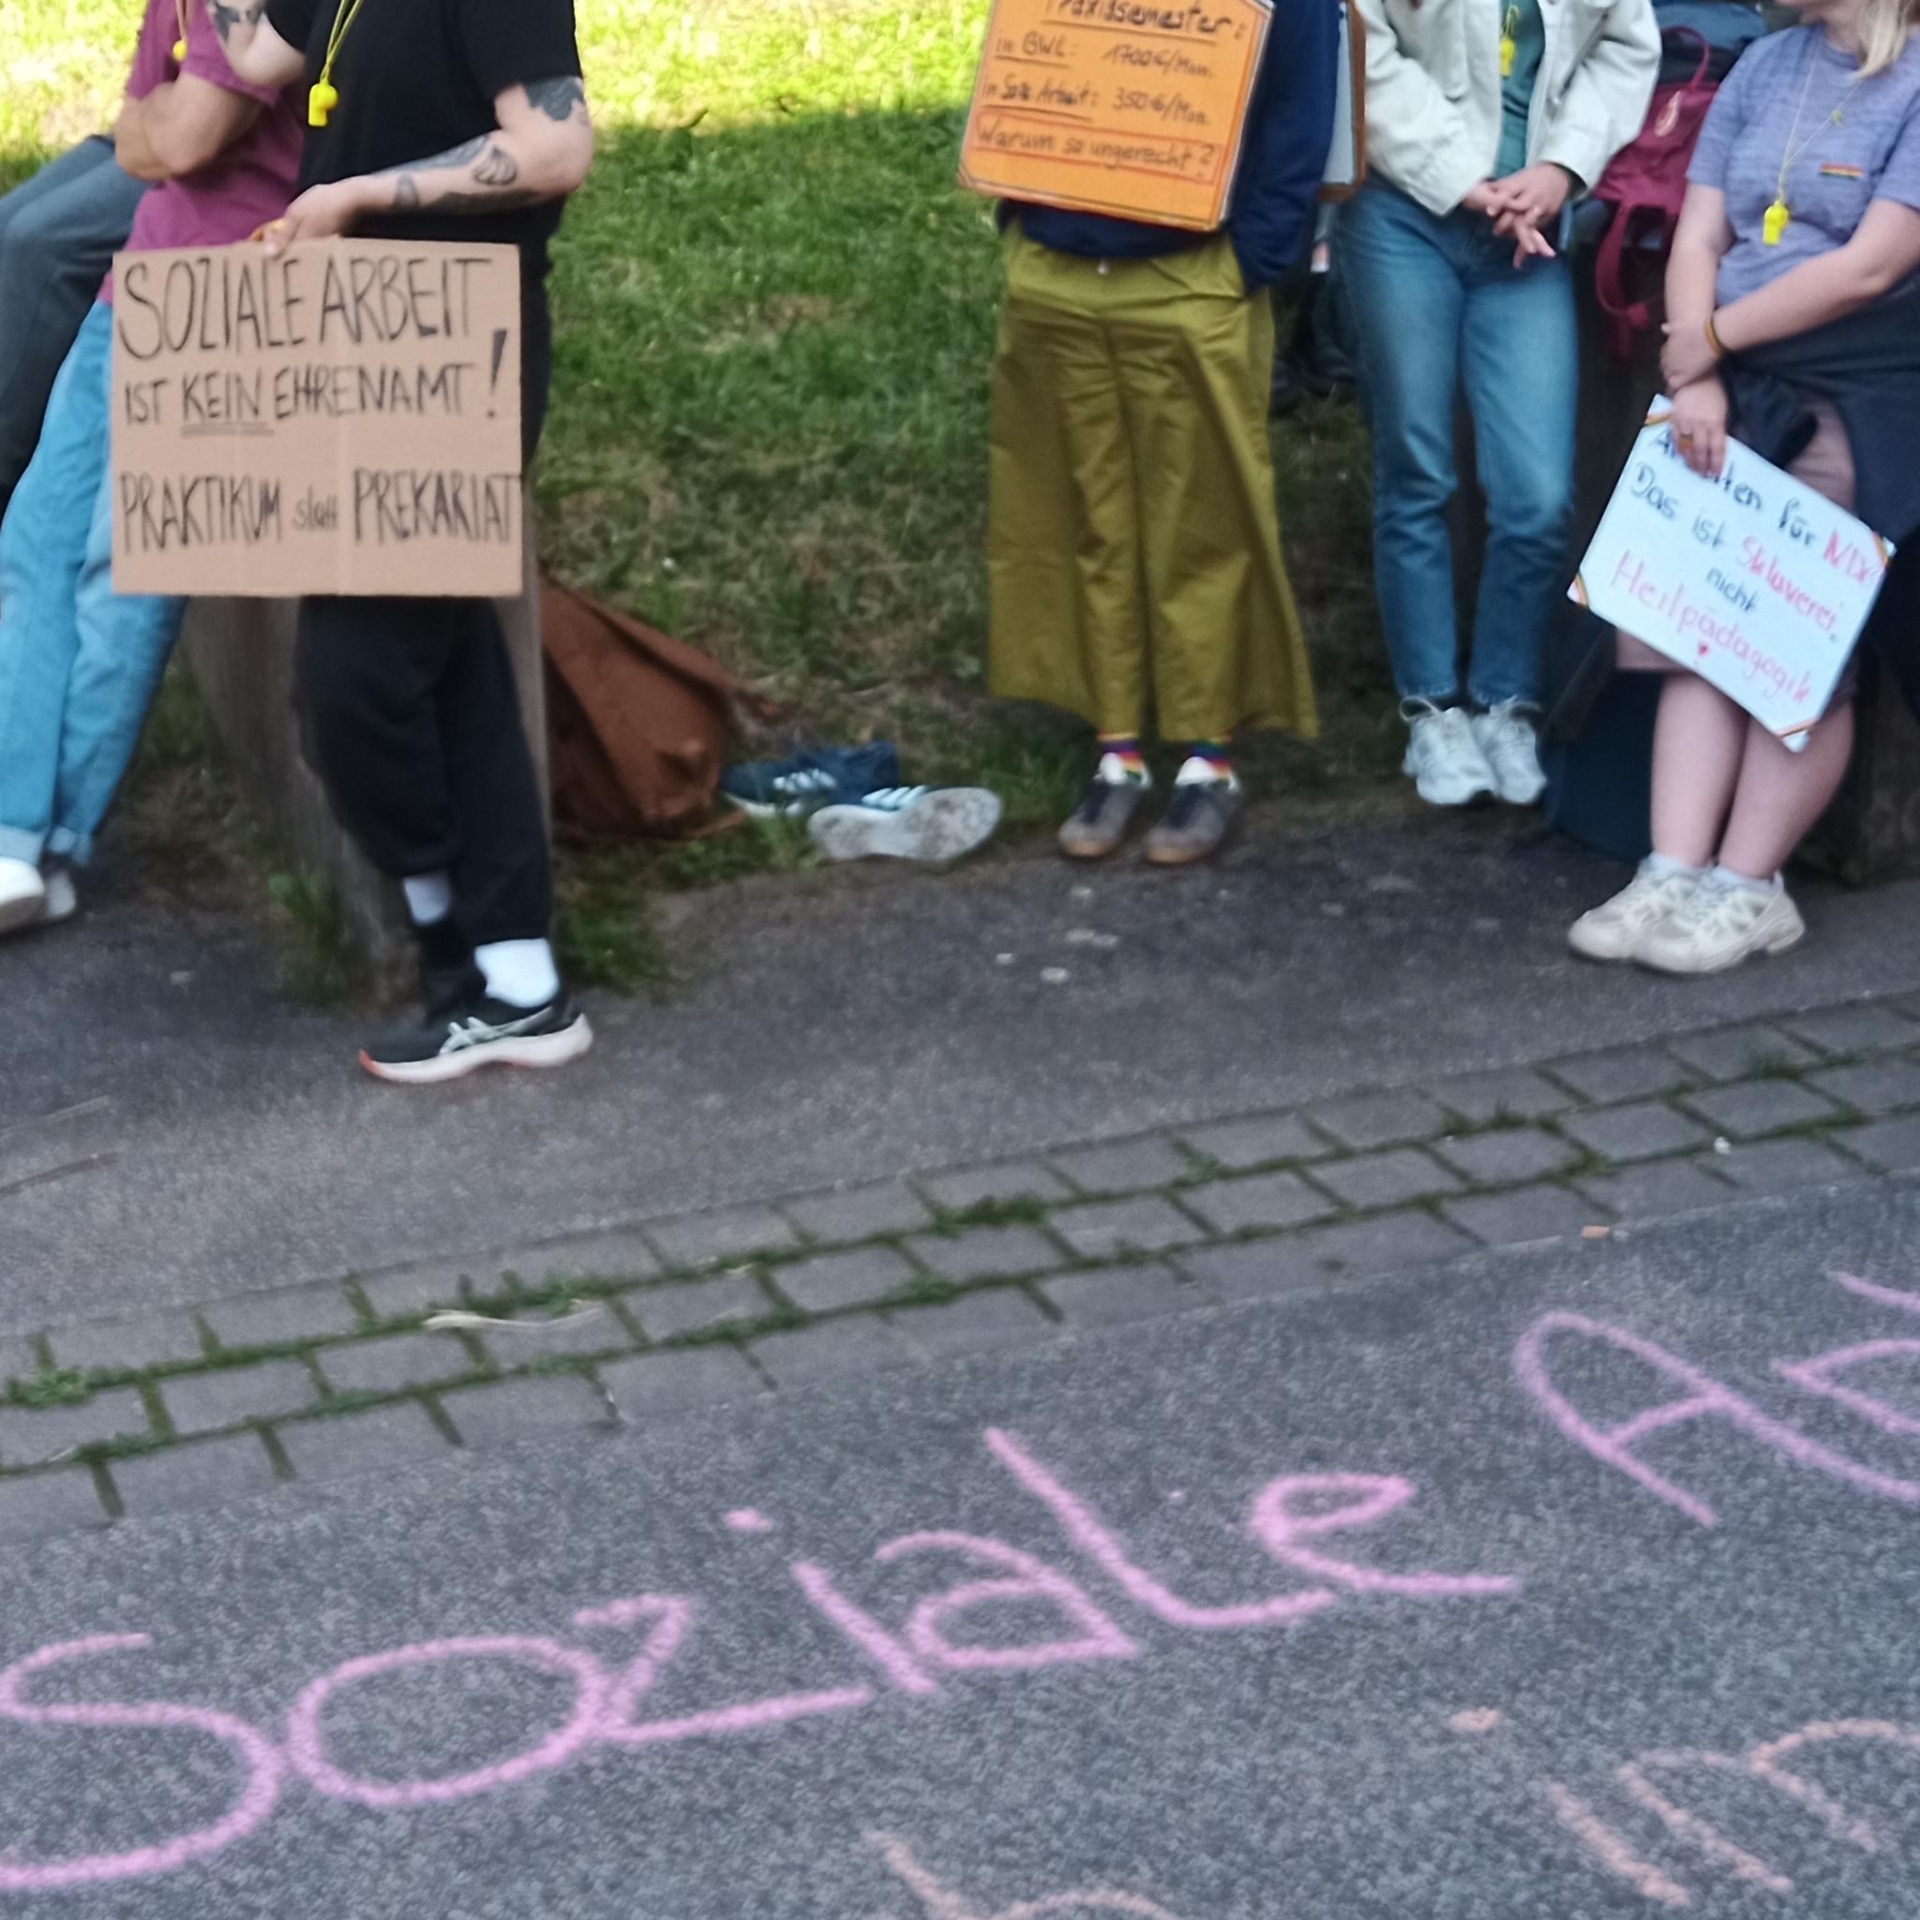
{"x":1433,"y":89}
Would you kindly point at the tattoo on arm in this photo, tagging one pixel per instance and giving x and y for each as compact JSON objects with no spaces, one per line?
{"x":453,"y":157}
{"x":406,"y":194}
{"x":560,"y":99}
{"x":496,"y":168}
{"x":225,"y":18}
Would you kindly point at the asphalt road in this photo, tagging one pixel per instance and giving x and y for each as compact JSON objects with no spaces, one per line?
{"x":215,"y":1141}
{"x":1127,"y":1718}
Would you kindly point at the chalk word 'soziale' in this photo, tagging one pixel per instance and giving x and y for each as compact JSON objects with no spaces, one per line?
{"x":1292,"y":1519}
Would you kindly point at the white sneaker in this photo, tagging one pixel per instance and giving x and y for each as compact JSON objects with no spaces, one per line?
{"x":23,"y":895}
{"x":1511,"y":743}
{"x":1616,"y":929}
{"x":63,"y":902}
{"x":1444,"y":758}
{"x":929,"y":824}
{"x":1717,"y":926}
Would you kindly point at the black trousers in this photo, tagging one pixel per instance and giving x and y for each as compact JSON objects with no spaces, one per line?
{"x":59,"y":232}
{"x":410,"y":716}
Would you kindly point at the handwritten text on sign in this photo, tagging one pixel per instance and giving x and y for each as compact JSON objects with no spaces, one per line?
{"x":1757,"y":582}
{"x":1128,"y":107}
{"x":344,"y":419}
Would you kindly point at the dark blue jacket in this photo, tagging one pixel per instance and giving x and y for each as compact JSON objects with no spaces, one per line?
{"x":1283,"y":157}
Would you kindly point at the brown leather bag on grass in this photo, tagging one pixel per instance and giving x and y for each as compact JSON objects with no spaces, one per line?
{"x":639,"y":725}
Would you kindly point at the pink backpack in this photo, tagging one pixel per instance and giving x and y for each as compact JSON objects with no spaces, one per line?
{"x":1644,"y":187}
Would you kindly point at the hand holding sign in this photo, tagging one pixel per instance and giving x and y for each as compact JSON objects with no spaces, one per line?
{"x":1744,"y":575}
{"x":340,"y":418}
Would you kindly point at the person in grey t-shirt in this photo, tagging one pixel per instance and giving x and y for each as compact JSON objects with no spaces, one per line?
{"x":1802,"y":212}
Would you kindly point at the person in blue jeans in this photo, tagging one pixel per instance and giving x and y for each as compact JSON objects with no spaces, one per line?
{"x":1485,"y":118}
{"x":59,"y":232}
{"x":78,"y":663}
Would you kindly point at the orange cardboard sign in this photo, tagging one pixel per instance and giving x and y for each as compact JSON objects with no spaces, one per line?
{"x":344,"y":419}
{"x":1127,"y":107}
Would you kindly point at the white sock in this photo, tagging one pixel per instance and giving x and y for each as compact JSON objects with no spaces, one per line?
{"x":1726,"y":877}
{"x":1196,"y":772}
{"x":1657,"y":866}
{"x":520,"y":972}
{"x":429,"y":897}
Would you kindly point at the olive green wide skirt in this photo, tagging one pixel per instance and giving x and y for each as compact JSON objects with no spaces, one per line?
{"x":1133,"y":544}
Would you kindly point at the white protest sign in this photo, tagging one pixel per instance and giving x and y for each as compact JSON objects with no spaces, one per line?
{"x":1757,"y":582}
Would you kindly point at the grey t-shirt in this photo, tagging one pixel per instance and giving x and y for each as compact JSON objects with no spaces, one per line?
{"x":1872,"y":153}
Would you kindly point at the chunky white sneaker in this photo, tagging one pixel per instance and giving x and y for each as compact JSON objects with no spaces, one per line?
{"x":1507,"y":736}
{"x":1717,"y":926}
{"x":23,"y":895}
{"x":1616,"y":928}
{"x":1444,"y":758}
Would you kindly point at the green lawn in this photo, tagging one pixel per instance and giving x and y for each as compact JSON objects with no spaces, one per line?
{"x":775,"y":314}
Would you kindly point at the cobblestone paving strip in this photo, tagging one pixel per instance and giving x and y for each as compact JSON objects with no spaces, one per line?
{"x":653,"y":1318}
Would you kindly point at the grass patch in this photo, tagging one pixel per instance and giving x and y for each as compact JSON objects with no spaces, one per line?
{"x":1027,"y":1210}
{"x":53,"y":1387}
{"x":321,"y":963}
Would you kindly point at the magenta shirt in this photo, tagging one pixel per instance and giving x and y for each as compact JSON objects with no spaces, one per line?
{"x":248,"y":185}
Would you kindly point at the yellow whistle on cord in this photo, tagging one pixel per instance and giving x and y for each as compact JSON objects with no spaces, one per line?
{"x":1509,"y":43}
{"x":321,"y":101}
{"x":179,"y":52}
{"x":1773,"y":228}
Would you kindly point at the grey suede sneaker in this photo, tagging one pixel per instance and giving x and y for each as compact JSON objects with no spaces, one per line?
{"x":1200,"y":815}
{"x":1108,"y":809}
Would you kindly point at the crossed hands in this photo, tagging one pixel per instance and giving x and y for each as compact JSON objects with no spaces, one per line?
{"x":1521,"y":204}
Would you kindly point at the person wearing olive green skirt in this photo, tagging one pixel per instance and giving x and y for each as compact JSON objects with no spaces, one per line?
{"x":1133,"y":546}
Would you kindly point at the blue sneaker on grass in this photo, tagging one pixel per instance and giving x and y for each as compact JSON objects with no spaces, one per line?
{"x":814,"y":778}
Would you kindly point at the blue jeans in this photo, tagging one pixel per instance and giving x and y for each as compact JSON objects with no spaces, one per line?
{"x":1438,"y":304}
{"x":78,"y":664}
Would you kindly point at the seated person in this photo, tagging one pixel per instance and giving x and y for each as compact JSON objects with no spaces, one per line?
{"x":59,"y":232}
{"x":78,"y":665}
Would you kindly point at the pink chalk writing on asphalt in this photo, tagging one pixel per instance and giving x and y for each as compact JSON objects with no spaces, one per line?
{"x":748,"y":1520}
{"x":1816,"y":1376}
{"x":259,"y":1791}
{"x":890,"y":1655}
{"x":1704,"y":1399}
{"x":1894,"y":1297}
{"x":1109,"y":1552}
{"x":1611,"y":1849}
{"x":307,"y":1744}
{"x":669,"y":1618}
{"x":1280,"y":1529}
{"x":1026,"y":1578}
{"x":1763,"y":1764}
{"x":942,"y":1903}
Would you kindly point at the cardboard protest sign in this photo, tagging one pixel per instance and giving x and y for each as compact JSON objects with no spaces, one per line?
{"x":1126,"y":107}
{"x":342,"y":420}
{"x":1754,"y":580}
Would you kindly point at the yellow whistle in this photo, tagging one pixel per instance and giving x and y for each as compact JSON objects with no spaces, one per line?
{"x":179,"y":52}
{"x":1774,"y":228}
{"x":321,"y":101}
{"x":1508,"y":54}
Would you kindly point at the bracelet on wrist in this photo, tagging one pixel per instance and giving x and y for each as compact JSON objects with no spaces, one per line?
{"x":1718,"y":345}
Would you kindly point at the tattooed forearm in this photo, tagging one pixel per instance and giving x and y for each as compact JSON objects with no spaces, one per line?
{"x":406,"y":194}
{"x":560,"y":99}
{"x":247,"y":14}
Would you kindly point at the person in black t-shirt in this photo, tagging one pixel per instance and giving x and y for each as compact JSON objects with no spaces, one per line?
{"x":437,"y":120}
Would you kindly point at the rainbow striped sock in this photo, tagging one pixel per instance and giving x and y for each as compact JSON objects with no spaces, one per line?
{"x":1125,"y":749}
{"x":1216,"y":755}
